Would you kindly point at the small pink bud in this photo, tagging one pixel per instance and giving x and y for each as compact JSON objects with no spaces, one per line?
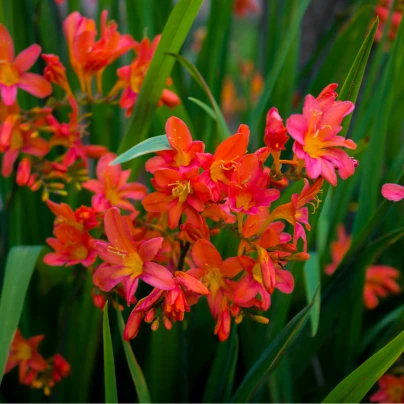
{"x":23,"y":172}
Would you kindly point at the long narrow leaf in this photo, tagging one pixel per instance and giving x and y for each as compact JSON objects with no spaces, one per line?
{"x":19,"y":267}
{"x":111,"y":395}
{"x":134,"y":368}
{"x":270,"y":358}
{"x":173,"y":36}
{"x":354,"y":387}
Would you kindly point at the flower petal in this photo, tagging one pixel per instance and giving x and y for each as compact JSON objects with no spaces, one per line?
{"x":178,"y":134}
{"x":35,"y":84}
{"x":6,"y":45}
{"x":25,"y":59}
{"x":149,"y":248}
{"x":117,"y":231}
{"x":8,"y":94}
{"x":158,"y":276}
{"x":393,"y":192}
{"x":205,"y":254}
{"x":191,"y":283}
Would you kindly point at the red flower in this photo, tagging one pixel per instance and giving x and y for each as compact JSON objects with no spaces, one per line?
{"x":391,"y":390}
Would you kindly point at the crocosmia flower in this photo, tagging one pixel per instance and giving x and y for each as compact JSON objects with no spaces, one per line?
{"x":244,"y":7}
{"x":380,"y":282}
{"x":89,"y":57}
{"x":13,"y":71}
{"x":393,"y":192}
{"x":111,"y":187}
{"x":391,"y":390}
{"x":128,"y":261}
{"x":24,"y":354}
{"x":315,"y":134}
{"x":248,"y":189}
{"x":338,"y":249}
{"x":185,"y":150}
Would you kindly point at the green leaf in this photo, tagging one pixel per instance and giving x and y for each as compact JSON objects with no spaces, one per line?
{"x":151,"y":145}
{"x":222,"y":129}
{"x":297,"y":13}
{"x":134,"y":368}
{"x":221,"y":375}
{"x":205,"y":107}
{"x":397,"y":313}
{"x":353,"y":81}
{"x":19,"y":267}
{"x":373,"y":165}
{"x":269,"y":359}
{"x":172,"y":38}
{"x":111,"y":395}
{"x":312,"y":283}
{"x":354,"y":387}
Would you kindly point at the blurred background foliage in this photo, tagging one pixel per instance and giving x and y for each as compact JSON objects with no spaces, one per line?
{"x":272,"y":58}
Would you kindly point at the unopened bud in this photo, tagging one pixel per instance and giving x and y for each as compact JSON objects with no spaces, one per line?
{"x":167,"y":323}
{"x":260,"y":319}
{"x":238,"y":319}
{"x":149,"y":316}
{"x":155,"y":325}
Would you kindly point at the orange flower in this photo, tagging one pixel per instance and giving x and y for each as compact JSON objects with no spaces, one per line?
{"x":130,"y":78}
{"x":13,"y":71}
{"x":111,"y":188}
{"x":126,"y":260}
{"x":214,"y":273}
{"x":89,"y":57}
{"x":248,"y":189}
{"x":24,"y":353}
{"x":380,"y":281}
{"x":220,"y":167}
{"x":185,"y":150}
{"x":177,"y":191}
{"x":338,"y":249}
{"x":55,"y":72}
{"x":71,"y":246}
{"x":391,"y":390}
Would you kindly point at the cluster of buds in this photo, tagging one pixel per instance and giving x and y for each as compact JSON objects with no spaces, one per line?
{"x":199,"y":195}
{"x":47,"y":153}
{"x":34,"y":370}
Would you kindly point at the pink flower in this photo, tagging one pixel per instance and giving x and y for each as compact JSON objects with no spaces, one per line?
{"x":111,"y":188}
{"x":127,"y":261}
{"x":393,"y":192}
{"x":13,"y":71}
{"x":315,"y":133}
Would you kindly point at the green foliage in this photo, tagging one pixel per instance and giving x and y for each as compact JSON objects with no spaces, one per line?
{"x":111,"y":395}
{"x":19,"y":267}
{"x":354,"y":387}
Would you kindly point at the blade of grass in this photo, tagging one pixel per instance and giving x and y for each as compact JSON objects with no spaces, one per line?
{"x":19,"y":268}
{"x":111,"y":395}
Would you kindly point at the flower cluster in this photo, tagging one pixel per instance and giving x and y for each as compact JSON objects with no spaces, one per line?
{"x":391,"y":390}
{"x":50,"y":153}
{"x":380,"y":279}
{"x":199,"y":195}
{"x":383,"y":9}
{"x":34,"y":370}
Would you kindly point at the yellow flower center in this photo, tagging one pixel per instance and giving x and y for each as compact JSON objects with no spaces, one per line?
{"x":313,"y":144}
{"x":213,"y":280}
{"x":80,"y":252}
{"x":181,"y":190}
{"x":217,"y":170}
{"x":24,"y":351}
{"x":9,"y":74}
{"x":395,"y":393}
